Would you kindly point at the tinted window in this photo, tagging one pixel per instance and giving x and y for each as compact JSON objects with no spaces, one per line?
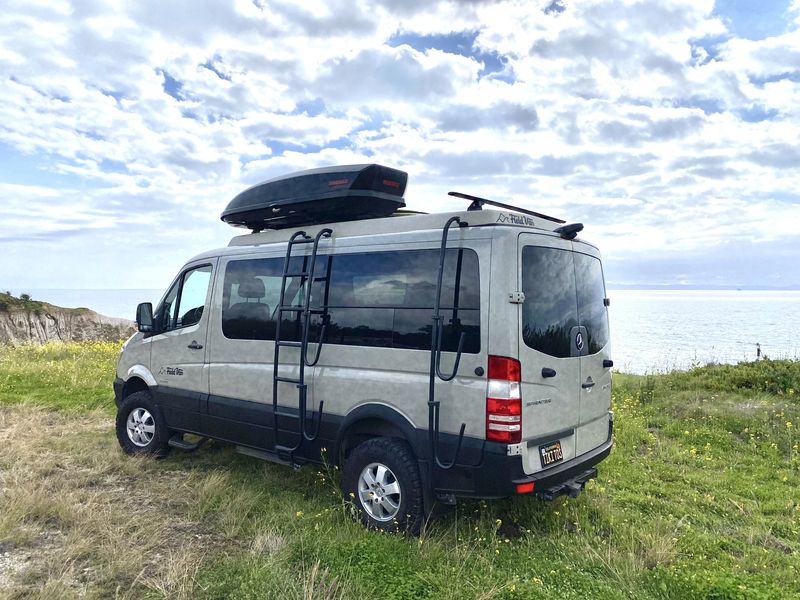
{"x":550,"y":310}
{"x":591,"y":295}
{"x":407,"y":278}
{"x":250,"y":298}
{"x":381,"y":299}
{"x":562,"y":290}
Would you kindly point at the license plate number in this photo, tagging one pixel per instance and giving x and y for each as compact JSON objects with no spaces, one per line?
{"x":551,"y":453}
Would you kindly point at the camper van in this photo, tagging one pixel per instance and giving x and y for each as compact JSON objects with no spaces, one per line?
{"x":429,"y":356}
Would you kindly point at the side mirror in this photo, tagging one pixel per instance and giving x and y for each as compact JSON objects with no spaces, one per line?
{"x":144,"y":317}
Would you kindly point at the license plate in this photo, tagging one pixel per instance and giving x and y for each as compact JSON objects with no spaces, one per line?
{"x":551,"y":453}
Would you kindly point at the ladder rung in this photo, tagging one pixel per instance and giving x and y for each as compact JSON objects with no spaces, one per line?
{"x":290,"y":343}
{"x":291,"y":308}
{"x":286,"y":414}
{"x":290,"y":380}
{"x":296,"y":274}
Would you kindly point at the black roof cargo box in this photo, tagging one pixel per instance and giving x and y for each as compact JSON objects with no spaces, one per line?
{"x":344,"y":193}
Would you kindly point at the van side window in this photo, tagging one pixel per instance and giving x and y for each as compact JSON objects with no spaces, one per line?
{"x":250,"y":298}
{"x":184,"y":303}
{"x":386,"y":299}
{"x":193,"y":296}
{"x":166,"y":312}
{"x":379,"y":299}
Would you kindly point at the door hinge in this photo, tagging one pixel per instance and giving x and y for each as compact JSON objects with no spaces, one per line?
{"x":516,"y":297}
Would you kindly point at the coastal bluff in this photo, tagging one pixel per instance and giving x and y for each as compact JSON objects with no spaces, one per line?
{"x":27,"y":321}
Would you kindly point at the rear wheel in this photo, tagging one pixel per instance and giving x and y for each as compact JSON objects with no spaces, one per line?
{"x":140,"y":426}
{"x":382,"y":481}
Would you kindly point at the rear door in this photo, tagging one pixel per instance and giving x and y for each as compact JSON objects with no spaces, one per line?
{"x":549,"y":351}
{"x":595,"y":387}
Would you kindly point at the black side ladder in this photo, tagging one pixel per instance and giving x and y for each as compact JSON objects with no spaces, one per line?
{"x":303,"y":314}
{"x":436,"y":358}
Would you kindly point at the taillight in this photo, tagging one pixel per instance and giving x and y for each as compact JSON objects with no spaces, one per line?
{"x":504,"y":401}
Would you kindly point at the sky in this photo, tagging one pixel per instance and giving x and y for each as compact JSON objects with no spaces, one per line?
{"x":669,"y":128}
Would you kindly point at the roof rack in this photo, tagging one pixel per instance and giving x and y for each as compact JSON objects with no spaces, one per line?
{"x":477,"y":204}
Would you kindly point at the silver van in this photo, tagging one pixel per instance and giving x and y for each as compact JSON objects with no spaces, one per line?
{"x":430,"y":356}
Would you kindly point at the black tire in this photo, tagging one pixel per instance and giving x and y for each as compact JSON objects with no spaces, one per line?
{"x":146,"y":442}
{"x":397,"y":456}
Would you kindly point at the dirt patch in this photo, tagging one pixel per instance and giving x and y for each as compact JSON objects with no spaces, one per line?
{"x":82,"y":519}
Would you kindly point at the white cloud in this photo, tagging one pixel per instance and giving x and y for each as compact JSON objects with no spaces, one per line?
{"x":649,"y":121}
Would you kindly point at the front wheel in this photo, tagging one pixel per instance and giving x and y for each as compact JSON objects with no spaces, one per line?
{"x":382,"y":481}
{"x":140,"y":426}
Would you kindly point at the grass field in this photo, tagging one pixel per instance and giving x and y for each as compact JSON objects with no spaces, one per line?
{"x":699,"y":499}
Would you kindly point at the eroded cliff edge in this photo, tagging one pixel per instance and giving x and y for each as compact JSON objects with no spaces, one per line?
{"x":29,"y":321}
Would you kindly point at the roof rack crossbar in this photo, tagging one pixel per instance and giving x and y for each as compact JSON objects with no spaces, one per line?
{"x":478,"y":202}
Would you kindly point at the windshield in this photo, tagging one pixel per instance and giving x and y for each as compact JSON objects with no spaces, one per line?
{"x":563,"y":290}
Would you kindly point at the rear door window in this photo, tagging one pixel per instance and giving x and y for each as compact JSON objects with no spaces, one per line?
{"x":591,"y":300}
{"x":550,"y":309}
{"x":563,"y":289}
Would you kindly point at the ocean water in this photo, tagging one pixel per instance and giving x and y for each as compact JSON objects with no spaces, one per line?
{"x":677,"y":329}
{"x":651,"y":330}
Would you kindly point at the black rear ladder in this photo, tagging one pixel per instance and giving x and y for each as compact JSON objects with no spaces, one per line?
{"x":302,"y":314}
{"x":436,"y":358}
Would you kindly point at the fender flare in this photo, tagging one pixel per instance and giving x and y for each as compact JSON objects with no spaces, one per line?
{"x":381,"y":412}
{"x":142,"y":373}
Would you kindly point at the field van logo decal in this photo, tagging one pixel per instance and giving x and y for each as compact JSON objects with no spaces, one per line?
{"x":515,"y":219}
{"x":579,"y":341}
{"x":170,"y":371}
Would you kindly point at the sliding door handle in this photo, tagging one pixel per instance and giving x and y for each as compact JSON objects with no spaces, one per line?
{"x":195,"y":346}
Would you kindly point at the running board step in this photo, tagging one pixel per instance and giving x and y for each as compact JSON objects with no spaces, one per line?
{"x":177,"y":441}
{"x":268,"y":456}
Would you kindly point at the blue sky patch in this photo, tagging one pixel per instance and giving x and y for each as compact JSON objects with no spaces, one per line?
{"x":757,"y":113}
{"x":462,"y":43}
{"x":753,"y":20}
{"x":38,"y":169}
{"x":210,"y":66}
{"x":171,"y":85}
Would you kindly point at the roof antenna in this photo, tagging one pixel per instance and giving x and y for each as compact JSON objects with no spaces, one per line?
{"x":568,"y":232}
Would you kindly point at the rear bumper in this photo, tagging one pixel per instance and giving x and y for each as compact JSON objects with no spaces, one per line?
{"x":498,"y":474}
{"x":564,"y":478}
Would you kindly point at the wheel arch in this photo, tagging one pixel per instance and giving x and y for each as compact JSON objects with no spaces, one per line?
{"x":133,"y":385}
{"x":142,"y":373}
{"x":139,"y":378}
{"x":371,"y":421}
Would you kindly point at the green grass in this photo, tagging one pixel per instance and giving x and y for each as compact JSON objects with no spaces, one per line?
{"x":74,"y":376}
{"x":699,"y":499}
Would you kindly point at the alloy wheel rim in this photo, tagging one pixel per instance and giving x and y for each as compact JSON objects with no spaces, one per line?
{"x":141,"y":427}
{"x":379,"y":492}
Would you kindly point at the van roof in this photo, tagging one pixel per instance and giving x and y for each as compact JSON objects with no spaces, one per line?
{"x":402,"y":222}
{"x":489,"y":220}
